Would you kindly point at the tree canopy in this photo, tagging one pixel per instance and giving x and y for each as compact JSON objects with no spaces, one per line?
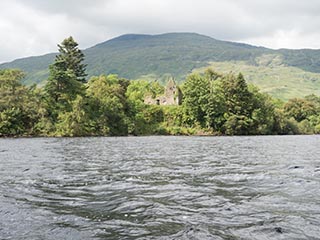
{"x":212,"y":103}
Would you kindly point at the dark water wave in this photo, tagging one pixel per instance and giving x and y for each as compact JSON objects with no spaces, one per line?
{"x":160,"y":188}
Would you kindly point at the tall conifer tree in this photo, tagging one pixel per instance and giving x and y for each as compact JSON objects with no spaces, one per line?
{"x":67,"y":75}
{"x":73,"y":58}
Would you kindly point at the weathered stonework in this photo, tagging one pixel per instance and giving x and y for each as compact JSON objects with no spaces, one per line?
{"x":172,"y":96}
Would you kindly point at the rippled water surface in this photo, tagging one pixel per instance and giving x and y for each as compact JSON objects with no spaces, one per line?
{"x":160,"y":188}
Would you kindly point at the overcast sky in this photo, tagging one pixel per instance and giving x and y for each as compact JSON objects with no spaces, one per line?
{"x":34,"y":27}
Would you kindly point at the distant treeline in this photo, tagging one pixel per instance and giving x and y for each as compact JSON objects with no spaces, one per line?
{"x":212,"y":104}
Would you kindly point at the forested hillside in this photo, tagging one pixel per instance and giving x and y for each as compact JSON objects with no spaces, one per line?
{"x":212,"y":104}
{"x":153,"y":57}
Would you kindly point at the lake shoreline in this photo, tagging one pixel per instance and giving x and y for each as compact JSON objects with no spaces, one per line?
{"x":151,"y":135}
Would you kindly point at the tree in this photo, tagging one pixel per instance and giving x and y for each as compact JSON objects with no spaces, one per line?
{"x":76,"y":122}
{"x":300,"y":109}
{"x":216,"y":107}
{"x":10,"y":87}
{"x":10,"y":80}
{"x":67,"y":75}
{"x":73,"y":58}
{"x":196,"y":89}
{"x":19,"y":105}
{"x":238,"y":97}
{"x":212,"y":75}
{"x":226,"y":104}
{"x":263,"y":112}
{"x":108,"y":104}
{"x":139,"y":89}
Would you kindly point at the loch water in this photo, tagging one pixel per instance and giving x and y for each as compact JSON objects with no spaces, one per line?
{"x":259,"y":187}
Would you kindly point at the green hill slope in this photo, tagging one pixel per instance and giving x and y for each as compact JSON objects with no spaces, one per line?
{"x":178,"y":54}
{"x":283,"y":82}
{"x":133,"y":56}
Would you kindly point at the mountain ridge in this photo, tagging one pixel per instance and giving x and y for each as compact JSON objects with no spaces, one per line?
{"x":143,"y":56}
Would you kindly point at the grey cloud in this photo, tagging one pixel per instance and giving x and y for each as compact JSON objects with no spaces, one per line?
{"x":36,"y":26}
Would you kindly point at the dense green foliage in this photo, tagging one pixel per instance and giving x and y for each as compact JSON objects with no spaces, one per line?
{"x":72,"y":58}
{"x":272,"y":76}
{"x":107,"y":105}
{"x":277,"y":72}
{"x":226,"y":105}
{"x":20,"y":106}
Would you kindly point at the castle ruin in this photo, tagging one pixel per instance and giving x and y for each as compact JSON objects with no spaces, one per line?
{"x":172,"y":95}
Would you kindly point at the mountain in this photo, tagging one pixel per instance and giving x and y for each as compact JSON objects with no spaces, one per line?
{"x":152,"y":57}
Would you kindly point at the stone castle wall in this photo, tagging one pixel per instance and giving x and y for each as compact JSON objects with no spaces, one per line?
{"x":172,"y":96}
